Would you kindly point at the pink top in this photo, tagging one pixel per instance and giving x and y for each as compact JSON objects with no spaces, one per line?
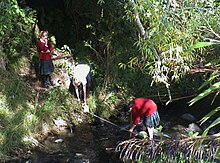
{"x":45,"y":51}
{"x":142,"y":107}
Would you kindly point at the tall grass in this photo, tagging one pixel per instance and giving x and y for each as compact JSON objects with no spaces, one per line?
{"x":21,"y":118}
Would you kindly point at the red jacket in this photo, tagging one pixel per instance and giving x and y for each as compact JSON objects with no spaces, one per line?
{"x":42,"y":50}
{"x":142,"y":107}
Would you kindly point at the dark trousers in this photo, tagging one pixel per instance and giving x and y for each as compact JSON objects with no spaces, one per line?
{"x":80,"y":87}
{"x":46,"y":82}
{"x":46,"y":67}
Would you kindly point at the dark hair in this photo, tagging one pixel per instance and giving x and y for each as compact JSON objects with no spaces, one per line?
{"x":127,"y":107}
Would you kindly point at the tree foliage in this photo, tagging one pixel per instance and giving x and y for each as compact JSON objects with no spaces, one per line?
{"x":214,"y":88}
{"x":16,"y":25}
{"x":172,"y":27}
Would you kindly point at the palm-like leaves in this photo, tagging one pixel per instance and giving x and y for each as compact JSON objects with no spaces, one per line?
{"x":168,"y":150}
{"x":203,"y":44}
{"x":215,"y":88}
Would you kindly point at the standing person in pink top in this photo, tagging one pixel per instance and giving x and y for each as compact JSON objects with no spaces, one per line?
{"x":45,"y":50}
{"x":146,"y":108}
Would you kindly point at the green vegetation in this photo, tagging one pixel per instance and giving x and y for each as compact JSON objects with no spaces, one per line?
{"x":15,"y":110}
{"x":214,"y":88}
{"x":190,"y":149}
{"x":135,"y":48}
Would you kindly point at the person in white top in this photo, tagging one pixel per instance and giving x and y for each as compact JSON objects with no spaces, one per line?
{"x":80,"y":74}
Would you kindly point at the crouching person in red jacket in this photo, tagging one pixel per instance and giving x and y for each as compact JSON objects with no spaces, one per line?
{"x":146,"y":108}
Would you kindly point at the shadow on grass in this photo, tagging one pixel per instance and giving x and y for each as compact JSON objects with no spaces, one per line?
{"x":13,"y":109}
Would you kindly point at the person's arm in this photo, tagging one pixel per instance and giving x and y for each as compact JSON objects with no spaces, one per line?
{"x":77,"y":92}
{"x":136,"y":119}
{"x":132,"y":128}
{"x":41,"y":47}
{"x":84,"y":93}
{"x":50,"y":47}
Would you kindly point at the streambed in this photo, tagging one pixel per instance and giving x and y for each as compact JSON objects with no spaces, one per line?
{"x":95,"y":142}
{"x":88,"y":143}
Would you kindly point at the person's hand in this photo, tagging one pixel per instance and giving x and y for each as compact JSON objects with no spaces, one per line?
{"x":84,"y":104}
{"x":130,"y":130}
{"x":86,"y":108}
{"x":78,"y":99}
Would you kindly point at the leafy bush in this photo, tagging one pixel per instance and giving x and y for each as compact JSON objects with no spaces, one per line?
{"x":16,"y":32}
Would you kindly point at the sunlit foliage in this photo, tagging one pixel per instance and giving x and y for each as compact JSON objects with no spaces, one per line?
{"x":16,"y":27}
{"x":171,"y":27}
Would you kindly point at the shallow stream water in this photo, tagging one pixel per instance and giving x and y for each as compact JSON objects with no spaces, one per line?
{"x":95,"y":142}
{"x":87,"y":144}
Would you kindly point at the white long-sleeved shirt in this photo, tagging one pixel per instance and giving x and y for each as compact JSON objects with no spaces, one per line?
{"x":80,"y":72}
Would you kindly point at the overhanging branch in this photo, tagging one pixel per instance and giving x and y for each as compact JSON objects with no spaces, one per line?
{"x":138,"y":21}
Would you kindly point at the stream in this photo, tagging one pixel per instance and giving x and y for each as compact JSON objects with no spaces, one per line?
{"x":88,"y":143}
{"x":95,"y":142}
